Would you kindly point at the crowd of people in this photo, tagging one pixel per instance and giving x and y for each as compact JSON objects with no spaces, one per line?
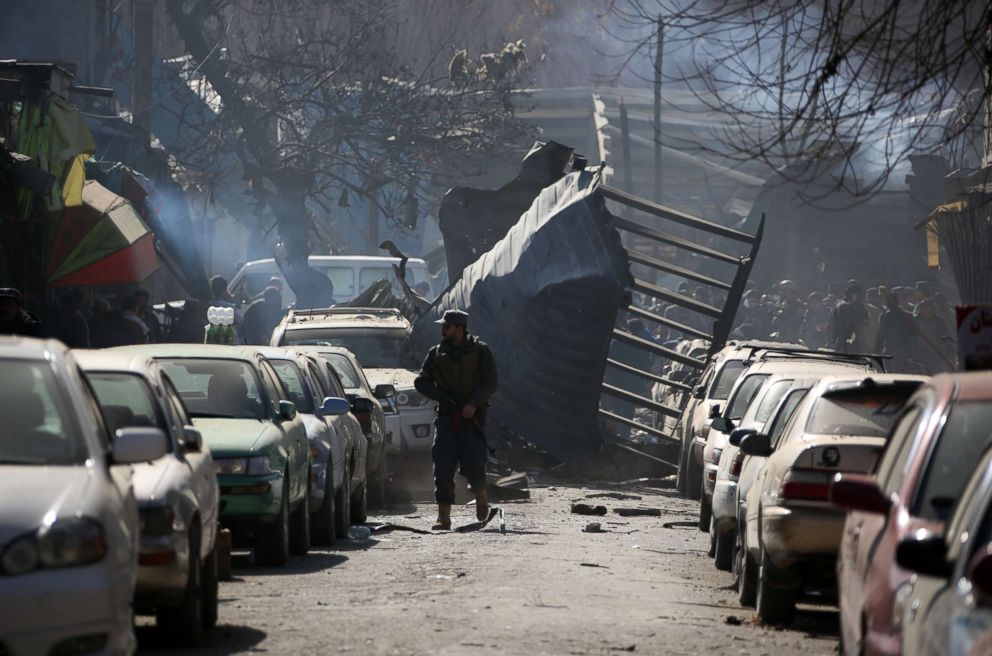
{"x":107,"y":321}
{"x":913,"y":324}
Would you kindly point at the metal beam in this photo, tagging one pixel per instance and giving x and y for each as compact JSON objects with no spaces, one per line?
{"x":657,"y":349}
{"x":724,"y":324}
{"x":678,"y":299}
{"x":681,"y":327}
{"x":678,"y":242}
{"x":641,"y":401}
{"x":647,"y":374}
{"x":682,"y":272}
{"x":644,"y":205}
{"x":651,"y":430}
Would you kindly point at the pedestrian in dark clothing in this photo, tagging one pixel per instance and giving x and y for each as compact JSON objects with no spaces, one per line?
{"x":14,"y":319}
{"x":935,"y":334}
{"x":189,"y":327}
{"x":850,"y":318}
{"x":262,"y":317}
{"x":815,"y":322}
{"x":75,"y":329}
{"x":898,"y":336}
{"x":148,"y":316}
{"x":136,"y":329}
{"x":460,"y":374}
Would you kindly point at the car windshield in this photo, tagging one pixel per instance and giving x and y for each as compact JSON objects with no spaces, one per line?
{"x":725,"y":381}
{"x":869,"y":414}
{"x":744,"y":394}
{"x":346,"y":372}
{"x":216,"y":388}
{"x":37,"y":424}
{"x":966,"y":434}
{"x":375,"y":349}
{"x":292,"y":379}
{"x":126,"y":401}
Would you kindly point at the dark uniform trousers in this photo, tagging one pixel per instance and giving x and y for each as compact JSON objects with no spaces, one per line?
{"x":463,"y":449}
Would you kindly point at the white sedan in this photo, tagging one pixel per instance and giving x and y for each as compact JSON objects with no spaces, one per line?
{"x":68,"y":517}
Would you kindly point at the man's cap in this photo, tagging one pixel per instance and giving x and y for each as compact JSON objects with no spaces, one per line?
{"x":454,"y":318}
{"x":10,"y":292}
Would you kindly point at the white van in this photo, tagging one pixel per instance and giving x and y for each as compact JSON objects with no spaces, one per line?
{"x":350,"y":274}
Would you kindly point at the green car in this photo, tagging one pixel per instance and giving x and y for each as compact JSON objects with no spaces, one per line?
{"x":258,"y":442}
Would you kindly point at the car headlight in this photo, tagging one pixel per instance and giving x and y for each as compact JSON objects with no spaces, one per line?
{"x":157,"y":520}
{"x":65,"y":543}
{"x":254,"y":466}
{"x":900,"y":602}
{"x":411,"y":399}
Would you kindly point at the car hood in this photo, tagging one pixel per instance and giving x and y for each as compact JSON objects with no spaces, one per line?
{"x":401,"y":379}
{"x":233,"y":436}
{"x":28,"y":494}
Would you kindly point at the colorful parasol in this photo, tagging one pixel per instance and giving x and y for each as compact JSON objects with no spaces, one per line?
{"x":102,"y":241}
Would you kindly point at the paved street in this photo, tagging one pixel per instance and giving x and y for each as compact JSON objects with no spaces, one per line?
{"x":545,"y":587}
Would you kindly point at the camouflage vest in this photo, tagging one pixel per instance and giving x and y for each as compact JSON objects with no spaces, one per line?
{"x":456,"y":371}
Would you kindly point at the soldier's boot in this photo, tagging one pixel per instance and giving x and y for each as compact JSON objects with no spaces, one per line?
{"x":481,"y":503}
{"x":443,"y":522}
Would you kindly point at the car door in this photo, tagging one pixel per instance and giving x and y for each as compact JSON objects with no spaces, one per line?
{"x":295,"y":435}
{"x":342,"y":440}
{"x":203,"y":478}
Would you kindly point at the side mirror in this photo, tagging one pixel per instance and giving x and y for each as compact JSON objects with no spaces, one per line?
{"x":714,"y":411}
{"x":699,"y":392}
{"x":756,"y":445}
{"x":925,"y":553}
{"x":362,"y":405}
{"x":192,"y":439}
{"x":739,"y":434}
{"x":979,"y":572}
{"x":384,"y":392}
{"x":287,"y":410}
{"x":335,"y":407}
{"x":722,"y":424}
{"x":134,"y":445}
{"x":854,"y":492}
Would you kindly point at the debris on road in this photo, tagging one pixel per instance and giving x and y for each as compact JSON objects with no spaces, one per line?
{"x":594,"y":527}
{"x":596,"y":565}
{"x":638,"y":512}
{"x":509,"y":488}
{"x":586,"y":509}
{"x":680,"y":524}
{"x":388,"y":528}
{"x":733,"y":620}
{"x":619,"y":496}
{"x":475,"y":526}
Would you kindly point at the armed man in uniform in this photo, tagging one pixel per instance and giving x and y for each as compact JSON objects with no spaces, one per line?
{"x":460,"y":374}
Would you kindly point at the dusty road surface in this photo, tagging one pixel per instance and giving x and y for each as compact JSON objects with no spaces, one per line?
{"x":545,"y":587}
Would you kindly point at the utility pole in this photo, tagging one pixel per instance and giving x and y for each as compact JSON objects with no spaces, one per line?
{"x":628,"y":166}
{"x":374,"y":241}
{"x":659,"y":49}
{"x":143,"y":48}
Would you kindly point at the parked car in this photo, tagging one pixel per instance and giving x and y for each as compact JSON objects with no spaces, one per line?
{"x":709,"y":395}
{"x":332,"y":432}
{"x":924,"y":468}
{"x":760,"y":367}
{"x":792,"y":531}
{"x":178,"y":497}
{"x":948,"y":608}
{"x":380,"y":340}
{"x":368,"y":408}
{"x":257,"y":438}
{"x":350,"y":274}
{"x":68,"y":516}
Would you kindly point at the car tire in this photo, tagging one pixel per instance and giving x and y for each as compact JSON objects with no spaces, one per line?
{"x":182,"y":624}
{"x":724,"y":556}
{"x":746,"y":572}
{"x":272,"y":540}
{"x":682,"y":475}
{"x":360,"y":505}
{"x":377,"y":486}
{"x":342,"y":507}
{"x":775,"y":605}
{"x":322,"y":522}
{"x":694,"y":479}
{"x":299,"y":526}
{"x":210,"y":590}
{"x":705,"y":512}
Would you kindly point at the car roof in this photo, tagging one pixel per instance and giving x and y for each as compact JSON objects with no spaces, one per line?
{"x":267,"y":263}
{"x":347,"y":318}
{"x":113,"y":360}
{"x":29,"y":348}
{"x":276,"y":353}
{"x":841,"y":381}
{"x":218,"y":351}
{"x":803,"y":366}
{"x":320,"y":348}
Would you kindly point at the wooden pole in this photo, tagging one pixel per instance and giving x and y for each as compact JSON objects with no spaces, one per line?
{"x":659,"y":50}
{"x":628,"y":166}
{"x":144,"y":35}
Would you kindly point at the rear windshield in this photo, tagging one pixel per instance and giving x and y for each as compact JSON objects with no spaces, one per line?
{"x":744,"y":394}
{"x":959,"y":448}
{"x":126,"y":401}
{"x":869,"y":414}
{"x":217,"y":388}
{"x":725,"y":381}
{"x":37,"y":425}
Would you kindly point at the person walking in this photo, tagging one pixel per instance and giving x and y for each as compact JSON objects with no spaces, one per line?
{"x":850,"y":320}
{"x":75,"y":331}
{"x":460,"y":375}
{"x":262,"y":317}
{"x":14,"y":319}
